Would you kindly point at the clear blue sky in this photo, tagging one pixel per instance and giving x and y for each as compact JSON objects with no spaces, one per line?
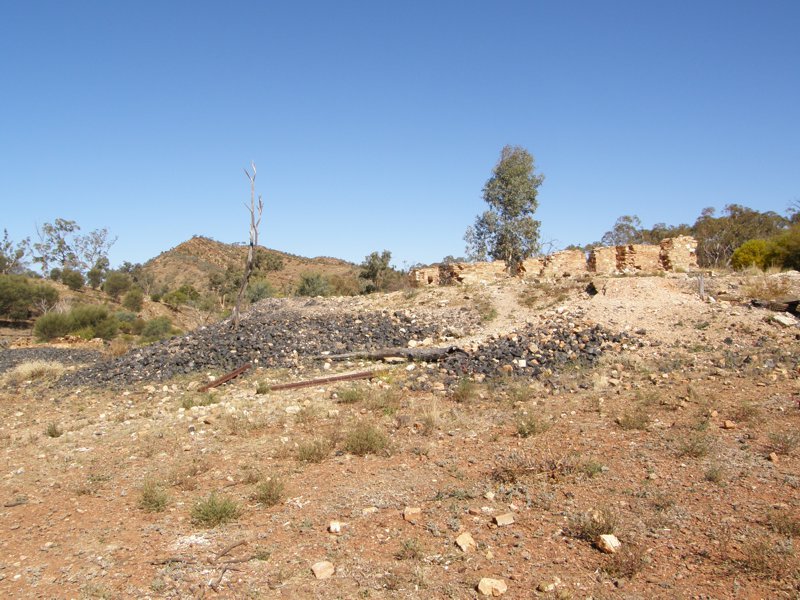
{"x":375,"y":124}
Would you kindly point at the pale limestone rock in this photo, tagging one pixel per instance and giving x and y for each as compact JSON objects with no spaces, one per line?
{"x":492,"y":587}
{"x":608,"y":543}
{"x":412,"y":514}
{"x":504,"y":519}
{"x":466,"y":542}
{"x":322,"y":569}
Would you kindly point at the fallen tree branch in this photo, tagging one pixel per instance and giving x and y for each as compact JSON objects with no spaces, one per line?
{"x":215,"y":583}
{"x":230,"y":547}
{"x":324,"y":380}
{"x":224,"y":378}
{"x":172,"y":559}
{"x":422,"y":354}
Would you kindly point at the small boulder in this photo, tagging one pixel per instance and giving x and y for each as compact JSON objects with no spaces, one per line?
{"x":504,"y":519}
{"x":492,"y":587}
{"x":608,"y":543}
{"x":466,"y":542}
{"x":412,"y":514}
{"x":323,"y":569}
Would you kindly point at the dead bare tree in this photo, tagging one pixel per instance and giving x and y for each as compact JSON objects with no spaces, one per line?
{"x":255,"y":220}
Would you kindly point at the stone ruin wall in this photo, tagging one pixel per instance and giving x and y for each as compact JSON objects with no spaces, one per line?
{"x":671,"y":255}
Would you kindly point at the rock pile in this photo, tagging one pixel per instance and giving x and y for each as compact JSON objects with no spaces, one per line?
{"x":269,"y":336}
{"x":537,"y":350}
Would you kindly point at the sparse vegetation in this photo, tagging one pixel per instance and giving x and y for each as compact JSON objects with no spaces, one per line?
{"x":214,"y":510}
{"x":696,"y":445}
{"x":53,"y":431}
{"x":314,"y":451}
{"x":365,"y":439}
{"x":37,"y":370}
{"x":636,"y":419}
{"x":153,"y":497}
{"x":410,"y":549}
{"x":270,"y":491}
{"x":465,"y":390}
{"x":784,"y":442}
{"x":589,"y":525}
{"x":531,"y":425}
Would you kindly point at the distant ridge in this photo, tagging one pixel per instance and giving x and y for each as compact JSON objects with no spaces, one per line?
{"x":192,"y":263}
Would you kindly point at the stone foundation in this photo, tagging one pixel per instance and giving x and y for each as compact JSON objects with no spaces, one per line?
{"x":672,"y":255}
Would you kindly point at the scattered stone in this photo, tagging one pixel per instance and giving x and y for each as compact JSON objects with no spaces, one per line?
{"x":608,"y":543}
{"x":504,"y":519}
{"x":489,"y":496}
{"x":785,"y":319}
{"x":292,"y":410}
{"x":550,"y":586}
{"x":773,"y":458}
{"x":728,"y":425}
{"x":335,"y":527}
{"x":412,"y":514}
{"x":322,"y":569}
{"x":370,"y":510}
{"x":492,"y":587}
{"x":466,"y":542}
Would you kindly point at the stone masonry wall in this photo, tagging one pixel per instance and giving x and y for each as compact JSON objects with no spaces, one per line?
{"x":673,"y":254}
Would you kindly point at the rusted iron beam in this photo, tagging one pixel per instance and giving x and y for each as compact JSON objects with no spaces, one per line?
{"x":224,"y":378}
{"x":324,"y":380}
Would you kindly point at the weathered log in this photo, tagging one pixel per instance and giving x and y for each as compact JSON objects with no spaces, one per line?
{"x":789,"y":306}
{"x":421,"y":354}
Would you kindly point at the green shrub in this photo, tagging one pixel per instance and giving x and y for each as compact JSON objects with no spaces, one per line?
{"x":20,"y":299}
{"x":786,"y":249}
{"x":153,"y":496}
{"x":52,"y":325}
{"x":156,"y":329}
{"x":365,"y":439}
{"x":314,"y":285}
{"x":133,"y":300}
{"x":269,"y":492}
{"x":87,"y":321}
{"x":753,"y":253}
{"x":72,"y":279}
{"x":258,"y":290}
{"x":214,"y":510}
{"x":116,"y":284}
{"x":95,"y":277}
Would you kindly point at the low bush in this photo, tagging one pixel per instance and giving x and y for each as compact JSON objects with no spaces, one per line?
{"x":214,"y":510}
{"x":133,"y":300}
{"x":20,"y":299}
{"x":156,"y":329}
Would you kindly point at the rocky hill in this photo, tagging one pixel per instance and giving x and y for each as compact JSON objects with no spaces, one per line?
{"x":194,"y":261}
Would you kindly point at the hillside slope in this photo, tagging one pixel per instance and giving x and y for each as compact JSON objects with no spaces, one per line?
{"x":194,"y":261}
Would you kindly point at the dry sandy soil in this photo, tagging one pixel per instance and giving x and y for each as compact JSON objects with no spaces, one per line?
{"x":684,"y":446}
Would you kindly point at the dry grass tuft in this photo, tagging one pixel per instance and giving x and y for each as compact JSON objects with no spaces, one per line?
{"x":365,"y":439}
{"x":214,"y":510}
{"x":270,"y":491}
{"x":36,"y":370}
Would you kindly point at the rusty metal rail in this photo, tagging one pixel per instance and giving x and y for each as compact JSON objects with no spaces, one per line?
{"x":324,"y":380}
{"x":224,"y":378}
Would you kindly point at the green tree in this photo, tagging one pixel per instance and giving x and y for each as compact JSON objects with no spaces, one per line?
{"x":61,"y":245}
{"x":116,"y":284}
{"x":72,"y":279}
{"x":21,"y":299}
{"x":508,"y":231}
{"x":259,"y":290}
{"x":753,"y":253}
{"x":627,"y":230}
{"x":12,"y":255}
{"x":133,"y":300}
{"x":375,"y":271}
{"x":718,"y":236}
{"x":314,"y":285}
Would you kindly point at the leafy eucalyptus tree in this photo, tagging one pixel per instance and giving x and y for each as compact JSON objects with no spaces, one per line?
{"x":507,"y":230}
